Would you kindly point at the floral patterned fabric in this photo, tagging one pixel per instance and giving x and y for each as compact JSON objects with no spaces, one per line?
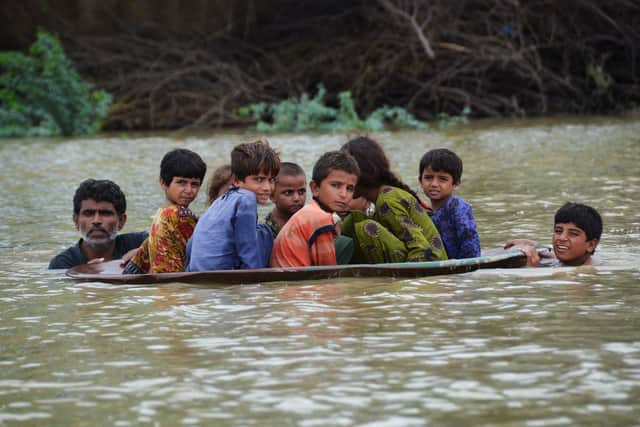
{"x":164,"y":250}
{"x":400,"y":230}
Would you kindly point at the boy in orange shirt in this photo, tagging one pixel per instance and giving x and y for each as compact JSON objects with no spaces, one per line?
{"x":308,"y":237}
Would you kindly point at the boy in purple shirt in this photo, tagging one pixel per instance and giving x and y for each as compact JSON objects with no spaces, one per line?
{"x":228,"y":236}
{"x":440,"y":173}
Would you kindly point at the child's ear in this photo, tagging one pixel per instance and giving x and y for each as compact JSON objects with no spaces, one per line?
{"x":163,"y":184}
{"x":591,"y":245}
{"x":456,"y":185}
{"x":315,"y":189}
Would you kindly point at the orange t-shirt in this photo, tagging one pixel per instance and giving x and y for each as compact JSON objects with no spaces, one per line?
{"x":306,"y":239}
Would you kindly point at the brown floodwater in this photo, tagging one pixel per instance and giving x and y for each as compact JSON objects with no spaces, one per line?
{"x":547,"y":346}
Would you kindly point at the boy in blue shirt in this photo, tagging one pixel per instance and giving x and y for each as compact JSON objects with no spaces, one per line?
{"x":440,"y":174}
{"x":228,"y":236}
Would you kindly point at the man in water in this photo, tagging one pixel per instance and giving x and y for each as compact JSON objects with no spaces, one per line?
{"x":99,"y":208}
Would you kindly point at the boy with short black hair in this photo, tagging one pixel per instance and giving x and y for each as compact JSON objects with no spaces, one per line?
{"x":164,"y":251}
{"x":308,"y":237}
{"x":440,"y":173}
{"x":576,"y":234}
{"x":228,"y":236}
{"x":289,"y":195}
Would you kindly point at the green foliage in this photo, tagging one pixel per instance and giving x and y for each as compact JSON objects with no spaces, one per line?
{"x":602,"y":80}
{"x":445,"y":120}
{"x":307,"y":113}
{"x":41,"y":94}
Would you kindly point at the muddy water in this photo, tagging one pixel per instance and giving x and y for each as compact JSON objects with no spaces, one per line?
{"x":525,"y":347}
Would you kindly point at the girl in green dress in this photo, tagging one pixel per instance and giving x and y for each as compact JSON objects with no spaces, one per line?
{"x":400,"y":229}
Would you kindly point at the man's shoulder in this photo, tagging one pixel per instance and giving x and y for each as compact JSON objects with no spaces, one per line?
{"x":131,"y":240}
{"x":68,"y":258}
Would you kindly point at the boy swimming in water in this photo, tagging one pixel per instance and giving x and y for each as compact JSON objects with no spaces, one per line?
{"x":576,"y":234}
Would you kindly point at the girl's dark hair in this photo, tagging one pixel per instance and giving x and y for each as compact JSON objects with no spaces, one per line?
{"x":374,"y":166}
{"x":221,"y":176}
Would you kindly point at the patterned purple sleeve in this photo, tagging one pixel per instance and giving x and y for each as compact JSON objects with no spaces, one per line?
{"x":467,"y":233}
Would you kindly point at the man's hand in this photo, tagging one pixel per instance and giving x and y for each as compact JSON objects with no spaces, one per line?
{"x":126,"y":257}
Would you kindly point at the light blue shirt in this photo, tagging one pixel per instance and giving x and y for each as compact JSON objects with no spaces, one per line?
{"x":228,"y":236}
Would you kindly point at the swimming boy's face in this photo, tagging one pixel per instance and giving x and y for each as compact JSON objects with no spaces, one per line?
{"x":181,"y":191}
{"x":261,"y":184}
{"x":336,"y":190}
{"x":570,"y":244}
{"x":437,"y":185}
{"x":289,"y":194}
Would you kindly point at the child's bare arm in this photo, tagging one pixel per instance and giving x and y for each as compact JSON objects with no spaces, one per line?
{"x":520,"y":242}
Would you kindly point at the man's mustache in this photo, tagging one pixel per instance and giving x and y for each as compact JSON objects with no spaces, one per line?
{"x":97,"y":229}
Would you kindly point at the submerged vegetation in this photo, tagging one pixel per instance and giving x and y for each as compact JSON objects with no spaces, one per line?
{"x":42,"y":94}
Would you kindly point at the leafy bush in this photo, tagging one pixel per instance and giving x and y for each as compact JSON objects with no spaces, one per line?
{"x":308,"y":113}
{"x":41,"y":94}
{"x":445,"y":120}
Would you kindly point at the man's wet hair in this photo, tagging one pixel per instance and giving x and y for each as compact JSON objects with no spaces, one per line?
{"x":182,"y":162}
{"x":334,"y":160}
{"x":585,"y":217}
{"x":442,"y":160}
{"x":254,"y":157}
{"x":100,"y":190}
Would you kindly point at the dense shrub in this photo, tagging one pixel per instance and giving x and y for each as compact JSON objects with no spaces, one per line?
{"x":41,"y":94}
{"x":306,"y":113}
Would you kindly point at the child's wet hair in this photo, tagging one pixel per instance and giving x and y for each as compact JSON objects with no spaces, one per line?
{"x":585,"y":217}
{"x":334,"y":160}
{"x":442,"y":160}
{"x":290,"y":169}
{"x":254,"y":157}
{"x":182,"y":162}
{"x":220,"y":177}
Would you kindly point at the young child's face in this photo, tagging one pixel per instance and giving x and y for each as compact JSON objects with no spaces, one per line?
{"x":336,"y":190}
{"x":289,"y":194}
{"x":181,"y":190}
{"x":570,"y":244}
{"x":260,"y":184}
{"x":438,"y":185}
